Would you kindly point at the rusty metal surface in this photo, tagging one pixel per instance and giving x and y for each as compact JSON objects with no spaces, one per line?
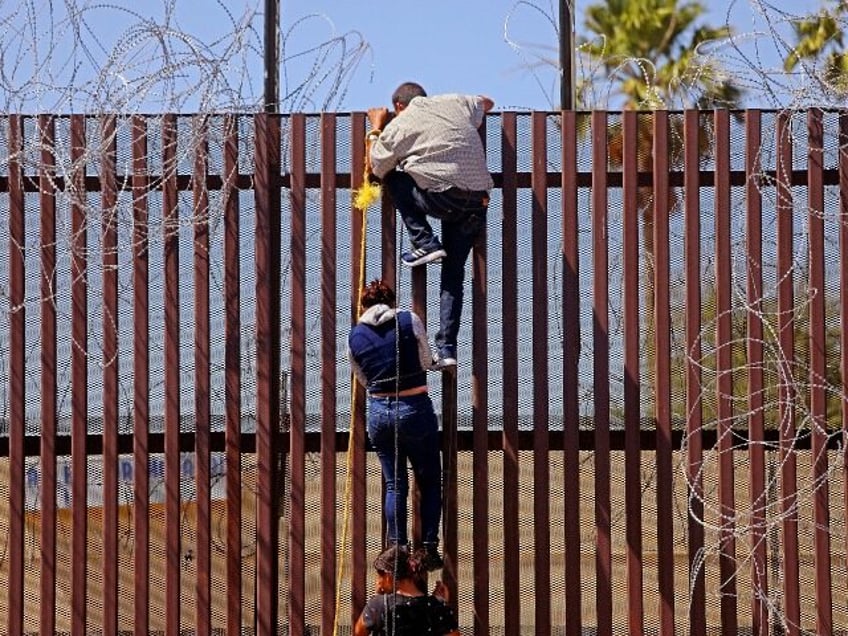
{"x":17,"y":384}
{"x":514,"y":458}
{"x":79,"y":381}
{"x":297,"y":456}
{"x":480,"y":425}
{"x":509,"y":301}
{"x":786,"y":317}
{"x":267,"y":248}
{"x":724,"y":362}
{"x":662,"y":204}
{"x":570,"y":375}
{"x":754,"y":291}
{"x":694,"y":446}
{"x":601,"y":370}
{"x":171,"y":267}
{"x":232,"y":380}
{"x":329,"y":375}
{"x":632,"y":377}
{"x":818,"y":364}
{"x":49,"y":384}
{"x":109,"y":197}
{"x":202,"y":389}
{"x":541,"y":390}
{"x":141,"y":378}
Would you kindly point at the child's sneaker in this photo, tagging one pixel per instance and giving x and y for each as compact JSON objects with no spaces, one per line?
{"x":422,"y":255}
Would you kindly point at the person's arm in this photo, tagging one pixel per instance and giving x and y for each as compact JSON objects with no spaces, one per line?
{"x":478,"y":106}
{"x":355,"y":368}
{"x":425,"y":356}
{"x":441,"y":592}
{"x":359,"y":628}
{"x":377,"y":118}
{"x":369,"y":618}
{"x":381,"y":144}
{"x":369,"y":170}
{"x":357,"y":372}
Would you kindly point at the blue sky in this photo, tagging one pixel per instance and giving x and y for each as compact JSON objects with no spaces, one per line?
{"x":461,"y":45}
{"x":85,"y":55}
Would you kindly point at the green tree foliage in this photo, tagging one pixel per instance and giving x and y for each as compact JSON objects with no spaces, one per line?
{"x":650,"y":53}
{"x":820,"y":39}
{"x":651,"y":57}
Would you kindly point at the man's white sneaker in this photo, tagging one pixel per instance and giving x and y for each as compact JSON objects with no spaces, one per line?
{"x":420,"y":256}
{"x":442,"y":363}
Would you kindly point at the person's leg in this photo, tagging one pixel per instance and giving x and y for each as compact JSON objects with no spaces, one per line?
{"x":411,"y":204}
{"x":421,"y":439}
{"x":458,"y":238}
{"x":420,"y":436}
{"x":381,"y":432}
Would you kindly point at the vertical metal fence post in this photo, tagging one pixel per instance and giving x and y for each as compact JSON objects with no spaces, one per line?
{"x":754,"y":350}
{"x":724,"y":371}
{"x":49,"y":386}
{"x":17,"y":377}
{"x":110,"y":364}
{"x":297,"y":447}
{"x":79,"y":382}
{"x":509,"y":404}
{"x":541,"y":390}
{"x":632,"y":376}
{"x":694,"y":448}
{"x":232,"y":372}
{"x":600,"y":374}
{"x":171,"y":371}
{"x":329,"y":374}
{"x":570,"y":312}
{"x":817,"y":373}
{"x":662,"y":371}
{"x":480,"y":424}
{"x":141,"y":378}
{"x":202,"y":382}
{"x":787,"y":392}
{"x":267,"y":369}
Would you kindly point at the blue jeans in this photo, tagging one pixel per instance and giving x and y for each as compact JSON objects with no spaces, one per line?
{"x":463,"y":217}
{"x":402,"y":429}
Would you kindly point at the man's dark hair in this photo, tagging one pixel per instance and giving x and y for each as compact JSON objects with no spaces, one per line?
{"x":406,"y":91}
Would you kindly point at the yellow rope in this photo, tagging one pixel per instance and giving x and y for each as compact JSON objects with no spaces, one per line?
{"x":362,"y":200}
{"x":368,"y":193}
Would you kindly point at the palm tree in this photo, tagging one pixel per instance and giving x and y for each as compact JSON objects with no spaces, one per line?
{"x":652,"y":53}
{"x":820,"y":36}
{"x":649,"y":55}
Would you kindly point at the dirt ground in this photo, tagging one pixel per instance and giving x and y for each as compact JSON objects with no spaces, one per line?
{"x":466,"y":529}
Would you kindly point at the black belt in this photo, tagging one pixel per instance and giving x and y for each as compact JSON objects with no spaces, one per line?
{"x":394,"y":396}
{"x":468,"y":194}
